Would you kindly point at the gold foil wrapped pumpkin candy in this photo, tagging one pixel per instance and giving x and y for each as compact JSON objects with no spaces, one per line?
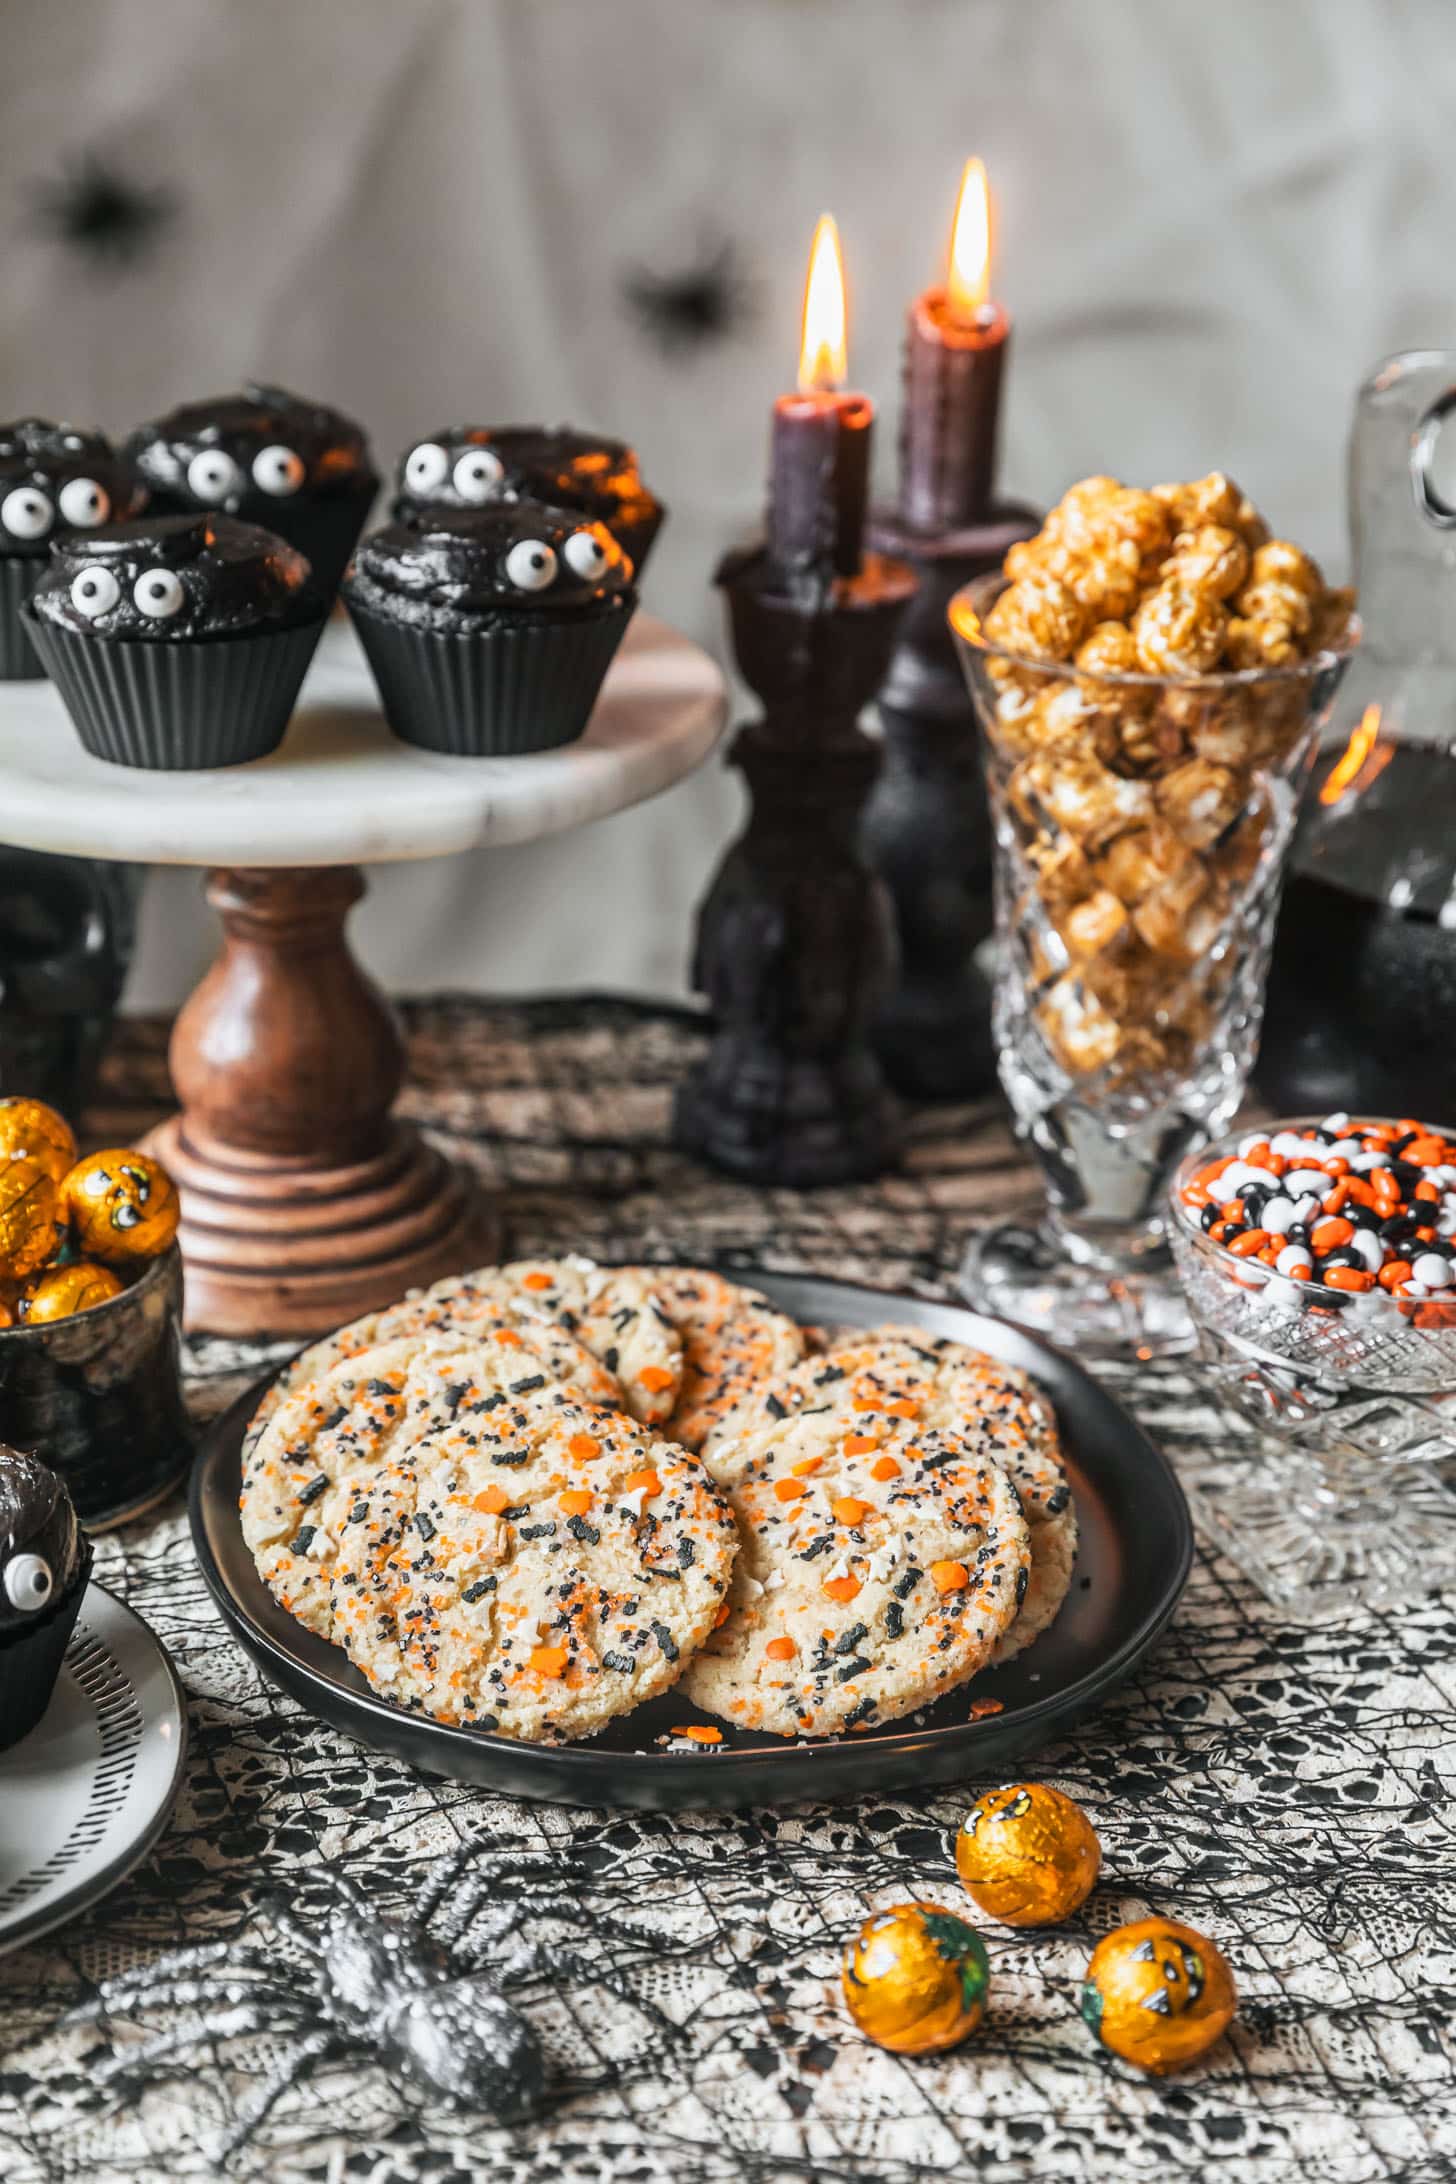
{"x":29,"y":1130}
{"x":915,"y":1978}
{"x":1158,"y":1994}
{"x":1027,"y":1854}
{"x":30,"y":1218}
{"x":59,"y":1292}
{"x":122,"y":1207}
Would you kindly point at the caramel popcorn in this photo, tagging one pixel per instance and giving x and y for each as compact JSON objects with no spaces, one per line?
{"x":1134,"y":776}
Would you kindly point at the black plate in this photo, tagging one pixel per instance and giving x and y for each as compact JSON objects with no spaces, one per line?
{"x":1136,"y":1550}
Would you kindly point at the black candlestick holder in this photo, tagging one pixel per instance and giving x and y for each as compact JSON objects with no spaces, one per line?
{"x":795,"y":939}
{"x":927,"y":827}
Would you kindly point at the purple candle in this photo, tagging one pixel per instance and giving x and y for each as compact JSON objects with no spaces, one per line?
{"x":820,"y":463}
{"x":955,"y":345}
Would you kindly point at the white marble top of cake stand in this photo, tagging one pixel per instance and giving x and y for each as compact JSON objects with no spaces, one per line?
{"x":341,"y":789}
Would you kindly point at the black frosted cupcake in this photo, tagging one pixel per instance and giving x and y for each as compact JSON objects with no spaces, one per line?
{"x":295,"y":467}
{"x":491,"y":633}
{"x":45,"y":1565}
{"x":178,"y":642}
{"x":53,"y":479}
{"x":468,"y":466}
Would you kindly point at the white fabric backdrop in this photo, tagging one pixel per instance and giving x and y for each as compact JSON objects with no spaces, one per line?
{"x":1212,"y":219}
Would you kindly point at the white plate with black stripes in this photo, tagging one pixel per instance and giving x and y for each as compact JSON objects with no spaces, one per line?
{"x":84,"y":1797}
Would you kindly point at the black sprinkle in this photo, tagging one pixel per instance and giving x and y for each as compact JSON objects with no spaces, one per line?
{"x":1057,"y":1502}
{"x":580,"y":1529}
{"x":819,"y":1546}
{"x":312,"y":1491}
{"x":611,"y":1357}
{"x":857,"y":1667}
{"x":335,"y":1418}
{"x":665,"y":1639}
{"x":511,"y":1456}
{"x":537,"y":1531}
{"x":894,"y":1619}
{"x":1022,"y":1577}
{"x":623,"y":1663}
{"x":486,"y":1721}
{"x":830,"y":1374}
{"x":524,"y":1387}
{"x":456,"y":1393}
{"x":774,"y":1407}
{"x":304,"y":1538}
{"x":479,"y":1589}
{"x":851,"y":1638}
{"x":906,"y":1585}
{"x":686,"y":1551}
{"x":379,"y":1387}
{"x":861,"y":1713}
{"x":424,"y":1525}
{"x":488,"y":1402}
{"x":359,"y":1512}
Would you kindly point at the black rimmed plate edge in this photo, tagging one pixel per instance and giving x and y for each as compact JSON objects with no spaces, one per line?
{"x":1133,"y":1561}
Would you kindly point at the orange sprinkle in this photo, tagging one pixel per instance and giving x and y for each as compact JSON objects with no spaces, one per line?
{"x":722,"y":1616}
{"x":491,"y":1501}
{"x":576,"y":1501}
{"x":859,"y":1444}
{"x":647,"y":1481}
{"x":781,"y":1649}
{"x":905,"y":1406}
{"x":980,"y":1708}
{"x":841,"y":1588}
{"x":849,"y":1511}
{"x":700,"y":1733}
{"x":583,"y":1446}
{"x":789,"y":1489}
{"x":509,"y":1337}
{"x":886,"y":1468}
{"x":949,"y":1576}
{"x":866,"y":1402}
{"x":536,"y":1281}
{"x":807,"y":1467}
{"x":654,"y":1378}
{"x":549,"y":1660}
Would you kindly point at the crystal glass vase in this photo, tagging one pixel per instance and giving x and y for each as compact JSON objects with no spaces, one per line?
{"x":1141,"y":825}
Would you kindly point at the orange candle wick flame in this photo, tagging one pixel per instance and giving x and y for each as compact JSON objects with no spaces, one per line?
{"x":1354,"y":760}
{"x":823,"y":349}
{"x":968,"y":271}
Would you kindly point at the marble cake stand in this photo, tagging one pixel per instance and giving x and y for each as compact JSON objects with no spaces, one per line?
{"x":304,"y":1201}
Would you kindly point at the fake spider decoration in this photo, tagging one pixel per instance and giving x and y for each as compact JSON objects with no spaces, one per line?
{"x":101,"y":213}
{"x":389,"y":1989}
{"x":695,"y":304}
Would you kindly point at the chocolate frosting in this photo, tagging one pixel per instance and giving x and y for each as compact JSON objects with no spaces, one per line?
{"x":485,"y":569}
{"x":564,"y":468}
{"x":278,"y":447}
{"x":36,"y":1521}
{"x":40,"y":464}
{"x":176,"y":577}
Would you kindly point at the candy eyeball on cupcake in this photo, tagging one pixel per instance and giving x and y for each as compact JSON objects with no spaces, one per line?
{"x":55,"y":479}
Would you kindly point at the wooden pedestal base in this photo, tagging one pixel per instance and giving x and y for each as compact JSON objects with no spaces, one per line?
{"x":303,"y":1202}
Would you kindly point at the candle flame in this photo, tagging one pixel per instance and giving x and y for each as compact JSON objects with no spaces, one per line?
{"x":823,"y":351}
{"x":968,"y":275}
{"x":1354,"y":768}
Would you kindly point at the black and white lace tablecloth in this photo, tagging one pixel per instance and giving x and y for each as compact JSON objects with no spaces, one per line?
{"x":1288,"y":1791}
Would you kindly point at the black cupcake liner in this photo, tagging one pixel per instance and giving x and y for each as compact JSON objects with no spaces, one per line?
{"x":325,"y":531}
{"x":497,"y":694}
{"x":181,"y":706}
{"x":30,"y":1659}
{"x":19,"y":575}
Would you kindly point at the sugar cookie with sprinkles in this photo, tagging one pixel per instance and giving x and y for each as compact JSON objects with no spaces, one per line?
{"x":876,"y":1572}
{"x":489,"y":1553}
{"x":894,"y":1371}
{"x":732,"y":1339}
{"x":618,"y":1317}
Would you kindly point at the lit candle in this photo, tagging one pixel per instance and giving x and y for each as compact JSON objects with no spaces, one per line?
{"x":819,"y":475}
{"x":955,"y":344}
